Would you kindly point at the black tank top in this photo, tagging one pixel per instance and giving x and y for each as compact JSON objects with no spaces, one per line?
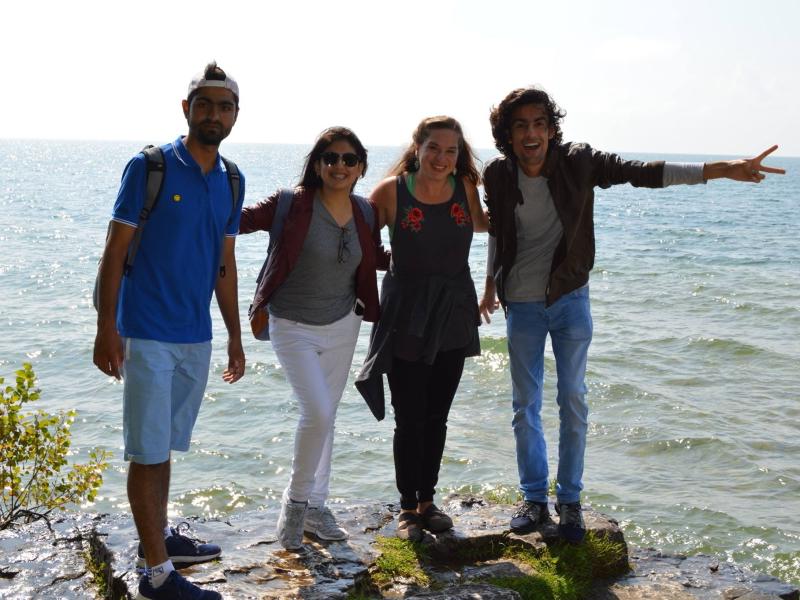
{"x":430,"y":256}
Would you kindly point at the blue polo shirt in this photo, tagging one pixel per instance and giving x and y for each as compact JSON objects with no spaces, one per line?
{"x":167,"y":294}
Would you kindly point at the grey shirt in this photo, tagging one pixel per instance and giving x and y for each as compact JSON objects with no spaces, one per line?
{"x":538,"y":232}
{"x":320,"y":289}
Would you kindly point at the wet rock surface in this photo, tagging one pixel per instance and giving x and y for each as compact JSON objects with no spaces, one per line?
{"x":672,"y":577}
{"x":35,"y":562}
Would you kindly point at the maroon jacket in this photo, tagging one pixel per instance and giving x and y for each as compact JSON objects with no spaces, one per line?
{"x":284,"y":257}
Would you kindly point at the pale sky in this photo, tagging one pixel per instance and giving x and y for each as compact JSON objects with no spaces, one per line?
{"x":706,"y":77}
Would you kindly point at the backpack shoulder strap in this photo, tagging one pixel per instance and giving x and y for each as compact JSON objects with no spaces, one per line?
{"x":285,"y":199}
{"x":366,"y":210}
{"x":235,"y":182}
{"x":154,"y":159}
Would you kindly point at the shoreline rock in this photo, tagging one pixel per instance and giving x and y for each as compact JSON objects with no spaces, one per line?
{"x":35,"y":562}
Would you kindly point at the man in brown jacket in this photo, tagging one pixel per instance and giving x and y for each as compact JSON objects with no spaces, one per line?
{"x":540,"y":195}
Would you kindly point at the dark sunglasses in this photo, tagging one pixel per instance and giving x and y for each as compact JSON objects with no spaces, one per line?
{"x":348,"y":158}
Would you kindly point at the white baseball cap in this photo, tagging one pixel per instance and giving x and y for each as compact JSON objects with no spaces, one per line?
{"x":213,"y":76}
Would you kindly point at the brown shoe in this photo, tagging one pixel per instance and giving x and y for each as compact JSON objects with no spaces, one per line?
{"x":408,"y":527}
{"x":435,"y":521}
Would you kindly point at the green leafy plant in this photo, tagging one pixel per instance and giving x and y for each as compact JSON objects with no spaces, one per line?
{"x":35,"y":475}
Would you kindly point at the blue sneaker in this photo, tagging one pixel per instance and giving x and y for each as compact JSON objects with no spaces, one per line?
{"x":529,"y":516}
{"x":174,"y":588}
{"x":183,"y":550}
{"x":570,"y":523}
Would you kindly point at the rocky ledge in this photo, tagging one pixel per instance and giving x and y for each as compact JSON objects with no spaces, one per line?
{"x":85,"y":556}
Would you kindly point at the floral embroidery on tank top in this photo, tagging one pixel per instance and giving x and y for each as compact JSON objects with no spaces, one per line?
{"x":460,"y":214}
{"x":413,"y":219}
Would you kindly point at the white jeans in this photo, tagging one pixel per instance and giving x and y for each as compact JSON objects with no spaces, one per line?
{"x":316,"y":360}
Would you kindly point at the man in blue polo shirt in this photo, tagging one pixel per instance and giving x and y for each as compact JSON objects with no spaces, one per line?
{"x":154,"y":321}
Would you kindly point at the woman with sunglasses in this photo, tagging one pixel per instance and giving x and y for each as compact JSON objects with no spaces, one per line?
{"x":318,"y":285}
{"x":429,"y":309}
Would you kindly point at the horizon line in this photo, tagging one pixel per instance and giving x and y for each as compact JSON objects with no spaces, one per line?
{"x":778,"y":154}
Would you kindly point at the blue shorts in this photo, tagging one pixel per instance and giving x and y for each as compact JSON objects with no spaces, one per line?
{"x":164,"y":386}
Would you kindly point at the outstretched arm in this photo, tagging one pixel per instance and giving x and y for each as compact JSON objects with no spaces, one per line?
{"x":259,"y":216}
{"x":745,"y":169}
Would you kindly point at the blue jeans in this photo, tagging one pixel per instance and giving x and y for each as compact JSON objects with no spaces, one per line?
{"x":569,"y":323}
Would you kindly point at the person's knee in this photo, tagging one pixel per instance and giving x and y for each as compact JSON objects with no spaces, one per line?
{"x":137,"y":466}
{"x":318,"y":423}
{"x":573,"y":408}
{"x":528,"y":419}
{"x":409,"y":425}
{"x":571,"y":392}
{"x":526,"y":406}
{"x":317,"y":415}
{"x":438,"y":415}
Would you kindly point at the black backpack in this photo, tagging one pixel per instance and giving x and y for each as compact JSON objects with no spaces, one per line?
{"x":156,"y":168}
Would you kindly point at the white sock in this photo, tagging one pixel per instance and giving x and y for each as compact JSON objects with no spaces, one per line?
{"x":158,"y":574}
{"x":167,"y":531}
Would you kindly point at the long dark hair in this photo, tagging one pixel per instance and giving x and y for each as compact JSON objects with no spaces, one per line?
{"x":465,"y":164}
{"x":309,"y":179}
{"x":500,"y":116}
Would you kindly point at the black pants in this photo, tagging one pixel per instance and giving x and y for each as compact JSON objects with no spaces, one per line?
{"x":421,"y":397}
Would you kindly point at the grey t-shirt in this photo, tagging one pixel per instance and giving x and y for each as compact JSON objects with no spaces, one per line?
{"x":321,"y":288}
{"x":538,"y":232}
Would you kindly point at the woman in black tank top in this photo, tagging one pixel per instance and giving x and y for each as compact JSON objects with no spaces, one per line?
{"x":429,"y":309}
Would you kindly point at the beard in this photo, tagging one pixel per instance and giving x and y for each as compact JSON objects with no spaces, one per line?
{"x":209,"y":134}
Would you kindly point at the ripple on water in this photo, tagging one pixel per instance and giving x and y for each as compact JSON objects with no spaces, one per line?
{"x":219,"y":500}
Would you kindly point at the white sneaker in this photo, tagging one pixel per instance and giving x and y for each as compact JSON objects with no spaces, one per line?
{"x":321,"y":522}
{"x":290,"y":522}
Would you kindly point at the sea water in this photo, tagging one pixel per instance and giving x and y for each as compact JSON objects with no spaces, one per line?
{"x":694,"y":378}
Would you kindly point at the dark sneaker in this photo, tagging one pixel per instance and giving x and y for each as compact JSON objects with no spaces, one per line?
{"x":174,"y":588}
{"x":570,"y":523}
{"x":529,"y":516}
{"x":408,"y":527}
{"x":183,"y":550}
{"x":434,"y":520}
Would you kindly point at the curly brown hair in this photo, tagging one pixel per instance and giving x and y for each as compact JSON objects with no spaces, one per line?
{"x":500,"y":116}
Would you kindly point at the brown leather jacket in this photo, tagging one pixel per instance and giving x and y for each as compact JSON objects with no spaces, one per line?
{"x":283,"y":259}
{"x":572,"y":171}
